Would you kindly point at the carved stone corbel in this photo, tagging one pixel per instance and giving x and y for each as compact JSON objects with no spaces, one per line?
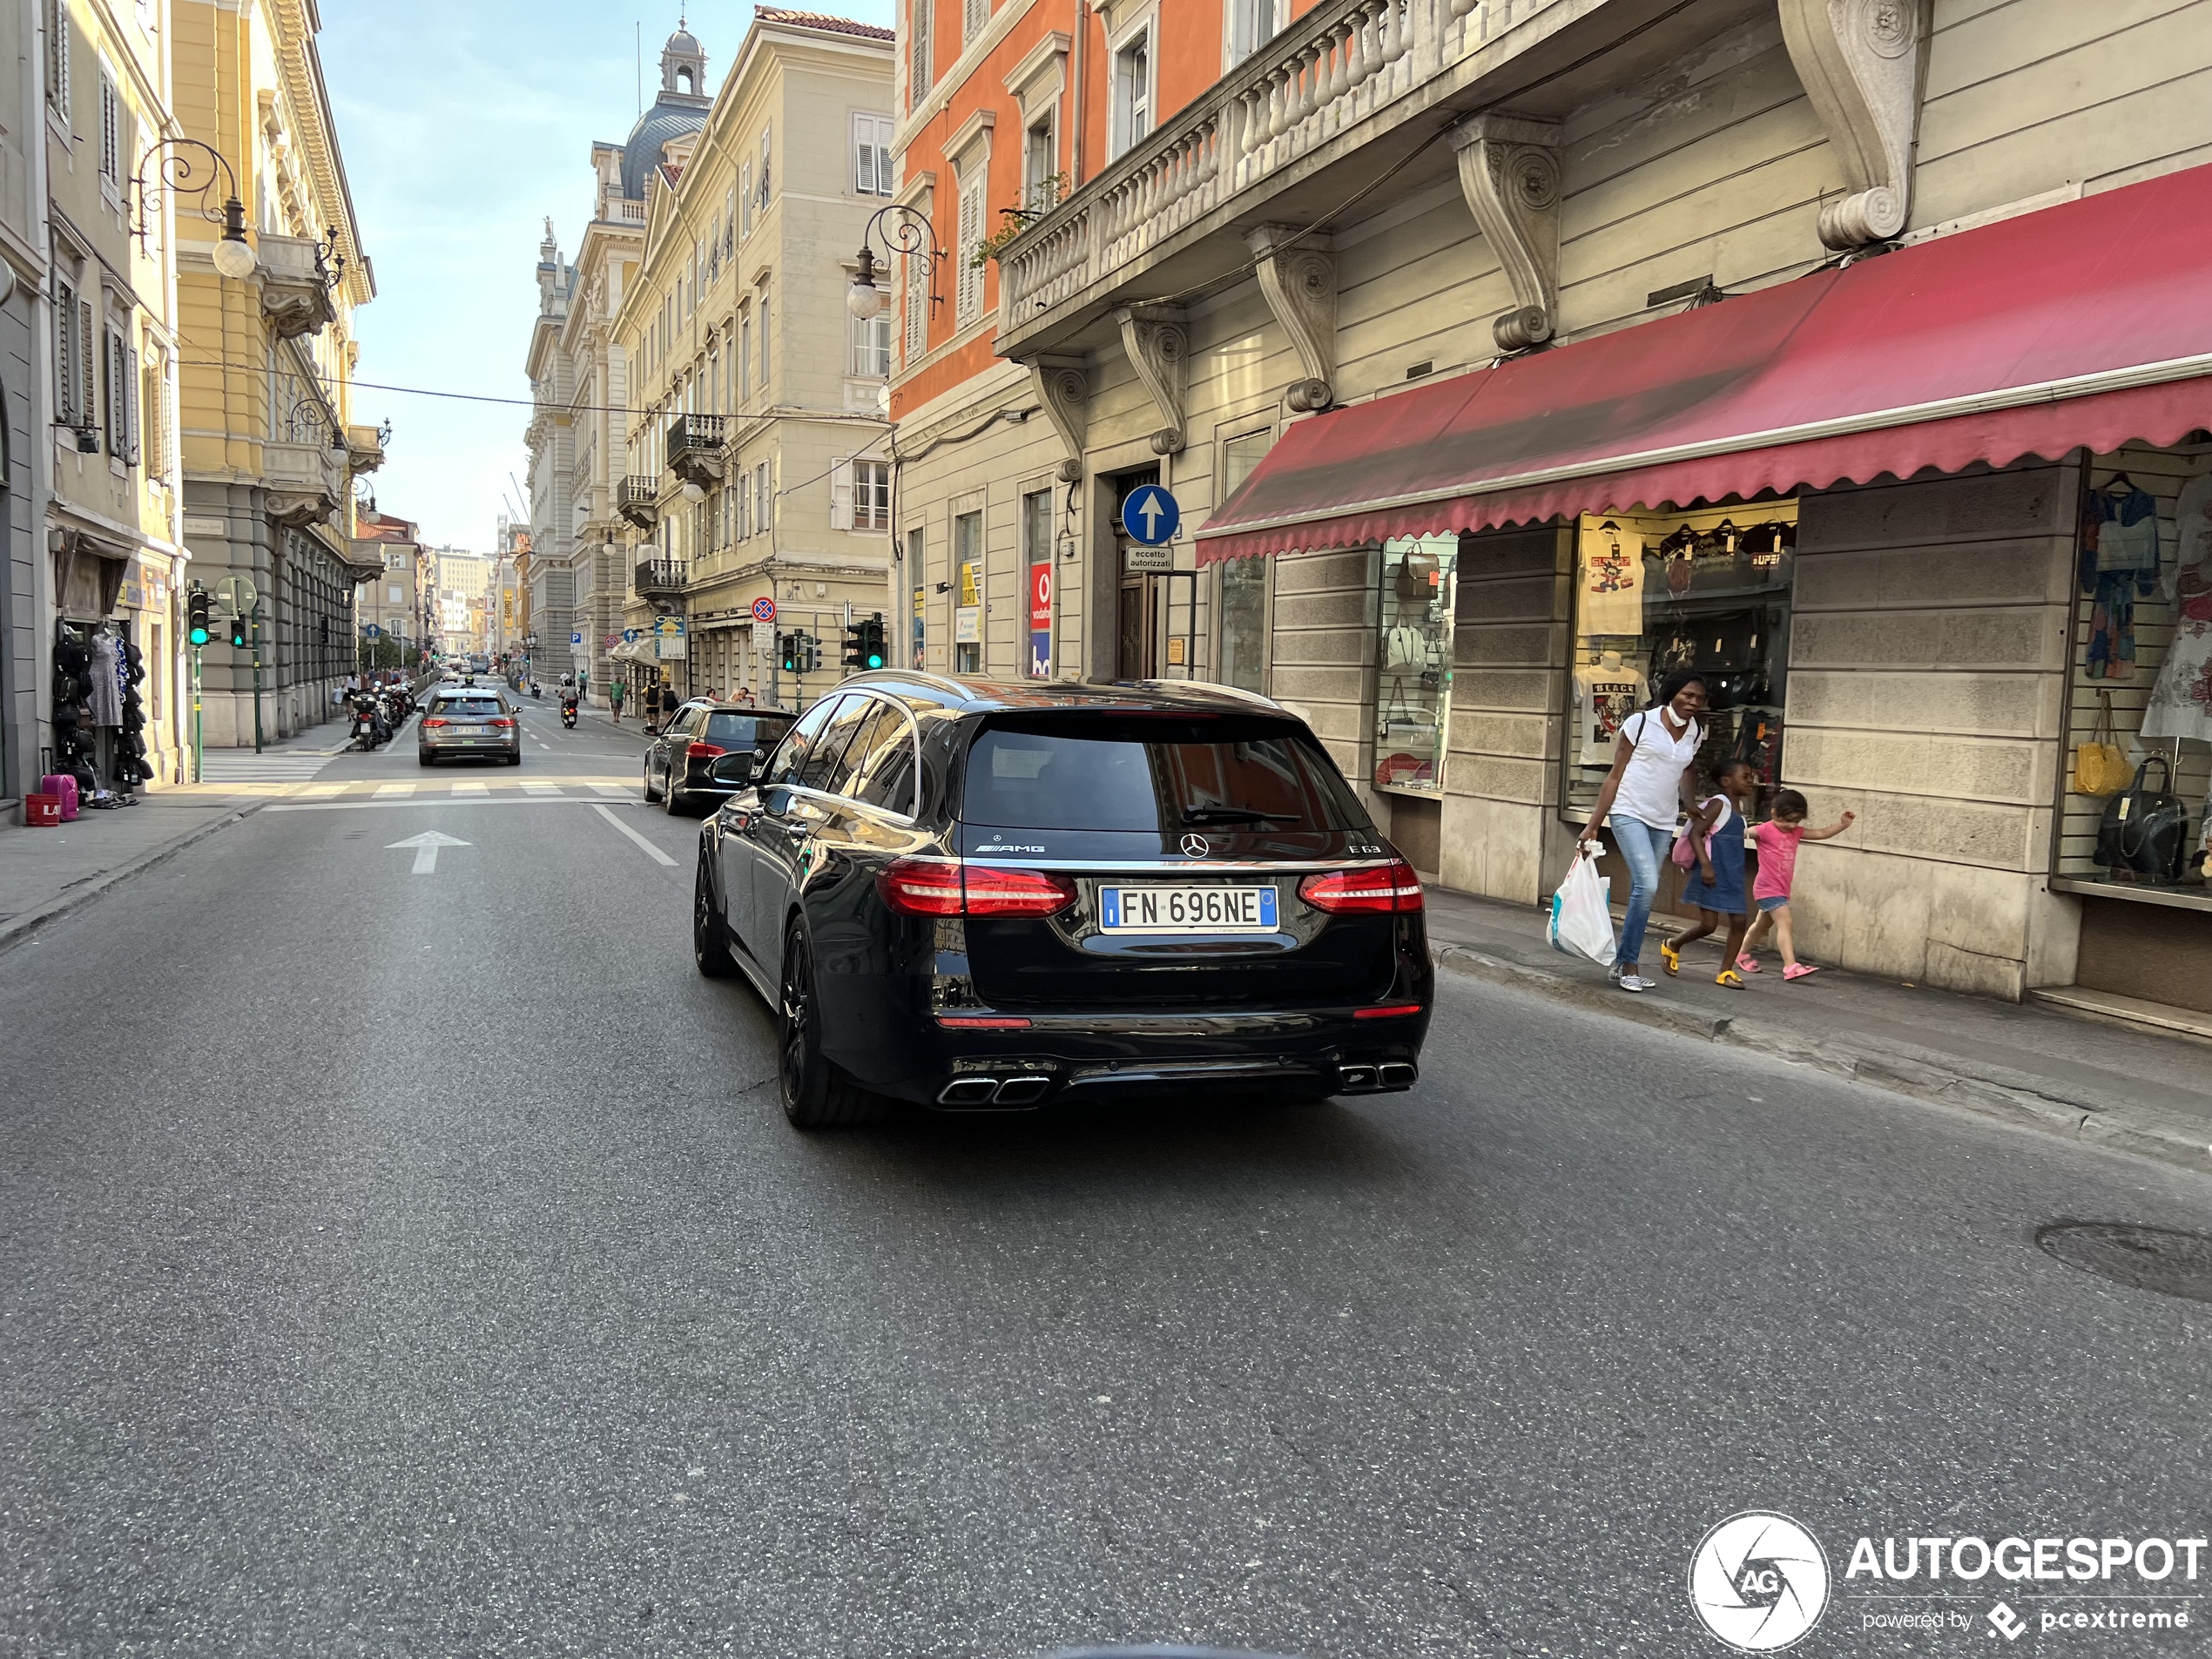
{"x":1064,"y":390}
{"x":1297,"y":277}
{"x":1509,"y":174}
{"x":1159,"y":348}
{"x":298,"y":509}
{"x":1860,"y":62}
{"x":296,"y":309}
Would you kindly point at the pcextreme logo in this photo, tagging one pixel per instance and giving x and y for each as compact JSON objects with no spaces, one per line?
{"x":1759,"y":1581}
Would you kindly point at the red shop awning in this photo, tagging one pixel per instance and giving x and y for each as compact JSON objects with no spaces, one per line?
{"x":2089,"y":323}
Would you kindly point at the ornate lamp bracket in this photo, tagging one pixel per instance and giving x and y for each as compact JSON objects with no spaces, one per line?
{"x":1860,"y":61}
{"x":1159,"y":345}
{"x":1298,"y":276}
{"x":1509,"y":174}
{"x":1064,"y":390}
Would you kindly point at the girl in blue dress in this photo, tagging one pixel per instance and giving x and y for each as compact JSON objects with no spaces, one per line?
{"x":1715,"y":886}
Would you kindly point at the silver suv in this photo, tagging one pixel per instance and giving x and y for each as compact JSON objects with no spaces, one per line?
{"x":470,"y":719}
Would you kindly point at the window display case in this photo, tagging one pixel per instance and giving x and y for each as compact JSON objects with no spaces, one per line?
{"x":1655,"y":593}
{"x":1413,"y":663}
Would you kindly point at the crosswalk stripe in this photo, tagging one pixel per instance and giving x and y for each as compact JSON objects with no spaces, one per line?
{"x":386,"y":791}
{"x":613,"y":791}
{"x":472,"y":789}
{"x":541,"y":789}
{"x":318,"y":789}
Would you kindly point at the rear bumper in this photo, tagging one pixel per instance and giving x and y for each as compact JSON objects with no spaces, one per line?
{"x":1096,"y":1056}
{"x":452,"y":748}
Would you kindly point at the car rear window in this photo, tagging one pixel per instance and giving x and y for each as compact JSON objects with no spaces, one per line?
{"x":747,"y":730}
{"x":468,"y":708}
{"x":1167,"y":774}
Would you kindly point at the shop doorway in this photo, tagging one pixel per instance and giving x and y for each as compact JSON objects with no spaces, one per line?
{"x":1141,"y":598}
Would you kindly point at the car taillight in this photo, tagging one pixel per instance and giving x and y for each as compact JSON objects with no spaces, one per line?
{"x":1392,"y":887}
{"x":702,"y":751}
{"x":947,"y":887}
{"x":429,"y":723}
{"x":503,"y":726}
{"x":921,"y":887}
{"x":1016,"y":893}
{"x":1387,"y":1011}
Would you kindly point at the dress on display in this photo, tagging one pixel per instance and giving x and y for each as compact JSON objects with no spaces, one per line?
{"x":2118,"y":565}
{"x":2181,"y":704}
{"x":107,"y":681}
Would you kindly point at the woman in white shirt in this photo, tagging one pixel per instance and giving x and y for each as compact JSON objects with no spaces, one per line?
{"x":1649,"y":786}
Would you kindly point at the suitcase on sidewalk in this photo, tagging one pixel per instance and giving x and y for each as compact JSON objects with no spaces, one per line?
{"x":62,"y":784}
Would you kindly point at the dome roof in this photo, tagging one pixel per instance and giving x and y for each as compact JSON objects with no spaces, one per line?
{"x":684,"y":43}
{"x":641,"y":151}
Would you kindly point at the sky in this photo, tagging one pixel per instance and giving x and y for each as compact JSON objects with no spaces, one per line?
{"x":463,"y":123}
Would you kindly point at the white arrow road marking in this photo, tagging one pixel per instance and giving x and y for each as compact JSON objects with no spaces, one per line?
{"x":651,"y":852}
{"x":426,"y":848}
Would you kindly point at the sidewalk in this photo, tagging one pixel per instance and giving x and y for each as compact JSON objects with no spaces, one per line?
{"x":47,"y":872}
{"x":2030,"y":1064}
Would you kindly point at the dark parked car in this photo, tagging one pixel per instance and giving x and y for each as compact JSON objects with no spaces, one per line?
{"x":974,"y":895}
{"x":696,"y":736}
{"x":468,"y":719}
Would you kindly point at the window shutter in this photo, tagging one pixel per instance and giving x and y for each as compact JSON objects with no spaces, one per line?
{"x":971,"y":236}
{"x":132,"y":438}
{"x":841,"y":494}
{"x":920,"y":70}
{"x":65,"y":354}
{"x":109,"y":136}
{"x":979,"y":18}
{"x":917,"y":303}
{"x":57,"y":54}
{"x":87,"y":371}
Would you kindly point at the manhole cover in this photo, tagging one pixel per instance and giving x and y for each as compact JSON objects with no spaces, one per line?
{"x":2164,"y":1259}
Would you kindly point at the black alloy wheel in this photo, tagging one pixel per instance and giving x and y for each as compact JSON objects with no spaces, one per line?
{"x":645,"y":779}
{"x":815,"y":1093}
{"x":671,"y":797}
{"x":710,"y":933}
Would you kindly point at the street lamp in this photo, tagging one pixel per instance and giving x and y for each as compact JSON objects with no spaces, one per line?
{"x":910,"y":233}
{"x":177,"y":173}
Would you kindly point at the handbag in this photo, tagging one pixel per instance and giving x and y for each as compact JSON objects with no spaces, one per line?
{"x":1414,"y":574}
{"x":2143,"y":830}
{"x":2099,"y":766}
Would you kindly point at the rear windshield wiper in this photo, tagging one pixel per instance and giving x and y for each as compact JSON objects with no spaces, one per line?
{"x":1235,"y":815}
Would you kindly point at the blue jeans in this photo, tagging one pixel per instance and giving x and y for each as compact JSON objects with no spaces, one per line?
{"x":1643,"y":849}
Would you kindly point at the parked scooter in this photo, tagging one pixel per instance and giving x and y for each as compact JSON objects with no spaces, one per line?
{"x":372,"y":728}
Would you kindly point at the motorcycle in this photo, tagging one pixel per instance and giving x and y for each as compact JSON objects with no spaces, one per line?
{"x":568,"y":714}
{"x":536,"y":690}
{"x":371,"y":731}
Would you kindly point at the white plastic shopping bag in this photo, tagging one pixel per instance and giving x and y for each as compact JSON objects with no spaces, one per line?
{"x":1581,"y":911}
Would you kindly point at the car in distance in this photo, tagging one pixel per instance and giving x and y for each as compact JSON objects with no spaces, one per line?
{"x":468,"y":720}
{"x":697,"y":735}
{"x":974,"y":895}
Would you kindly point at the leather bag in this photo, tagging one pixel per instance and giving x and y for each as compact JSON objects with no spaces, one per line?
{"x":2144,"y":830}
{"x":2099,"y":768}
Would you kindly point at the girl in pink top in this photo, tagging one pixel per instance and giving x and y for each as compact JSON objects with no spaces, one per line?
{"x":1778,"y":845}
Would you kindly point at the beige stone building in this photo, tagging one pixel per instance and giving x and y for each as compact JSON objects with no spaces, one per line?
{"x":758,"y":463}
{"x":1295,"y":301}
{"x":397,"y":600}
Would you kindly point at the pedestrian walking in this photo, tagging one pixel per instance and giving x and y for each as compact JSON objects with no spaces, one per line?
{"x":1640,"y":801}
{"x":614,"y":698}
{"x":1715,"y":889}
{"x":1777,"y":842}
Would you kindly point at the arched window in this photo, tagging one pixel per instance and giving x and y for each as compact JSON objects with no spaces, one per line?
{"x":684,"y":83}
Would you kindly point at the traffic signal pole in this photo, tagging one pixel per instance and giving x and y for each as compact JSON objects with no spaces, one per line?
{"x":257,"y":676}
{"x":199,"y":735}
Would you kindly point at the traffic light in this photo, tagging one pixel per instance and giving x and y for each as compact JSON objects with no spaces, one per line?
{"x":788,"y":644}
{"x":810,"y":653}
{"x":856,"y":651}
{"x":237,"y":631}
{"x":871,"y":652}
{"x":195,"y":608}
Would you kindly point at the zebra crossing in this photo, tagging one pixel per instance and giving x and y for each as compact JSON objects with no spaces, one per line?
{"x":272,"y":766}
{"x":361,"y":793}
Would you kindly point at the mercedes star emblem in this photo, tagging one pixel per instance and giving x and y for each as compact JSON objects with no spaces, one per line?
{"x":1196,"y":846}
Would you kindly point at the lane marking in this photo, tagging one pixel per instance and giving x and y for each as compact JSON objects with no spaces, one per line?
{"x":384,"y":789}
{"x":421,"y":802}
{"x":651,"y":852}
{"x":426,"y":848}
{"x":478,"y":790}
{"x":541,"y":789}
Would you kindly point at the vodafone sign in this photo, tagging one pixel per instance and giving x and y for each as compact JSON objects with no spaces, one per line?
{"x":1040,"y":622}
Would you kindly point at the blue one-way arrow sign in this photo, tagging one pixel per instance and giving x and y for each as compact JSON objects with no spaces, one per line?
{"x":1150,"y":516}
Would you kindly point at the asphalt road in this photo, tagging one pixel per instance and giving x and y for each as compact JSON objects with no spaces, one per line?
{"x":419,"y":1263}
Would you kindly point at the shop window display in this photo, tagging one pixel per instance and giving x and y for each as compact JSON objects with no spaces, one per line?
{"x":1413,"y":662}
{"x":1656,"y":592}
{"x":2139,"y":744}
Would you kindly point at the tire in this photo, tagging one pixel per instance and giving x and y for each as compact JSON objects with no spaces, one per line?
{"x":672,"y":801}
{"x":514,"y":760}
{"x":427,"y":760}
{"x":645,"y":782}
{"x":710,"y":931}
{"x":815,"y":1093}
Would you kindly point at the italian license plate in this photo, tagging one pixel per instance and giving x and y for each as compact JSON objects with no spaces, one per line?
{"x":476,"y":732}
{"x":1210,"y":909}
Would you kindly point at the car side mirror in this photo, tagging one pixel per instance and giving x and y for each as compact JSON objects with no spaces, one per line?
{"x":733,"y":771}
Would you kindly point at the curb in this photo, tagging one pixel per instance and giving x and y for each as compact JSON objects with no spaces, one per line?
{"x":16,"y":929}
{"x":1886,"y":1068}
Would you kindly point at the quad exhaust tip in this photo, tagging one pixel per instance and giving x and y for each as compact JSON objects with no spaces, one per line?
{"x":1391,"y":1074}
{"x":1025,"y":1090}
